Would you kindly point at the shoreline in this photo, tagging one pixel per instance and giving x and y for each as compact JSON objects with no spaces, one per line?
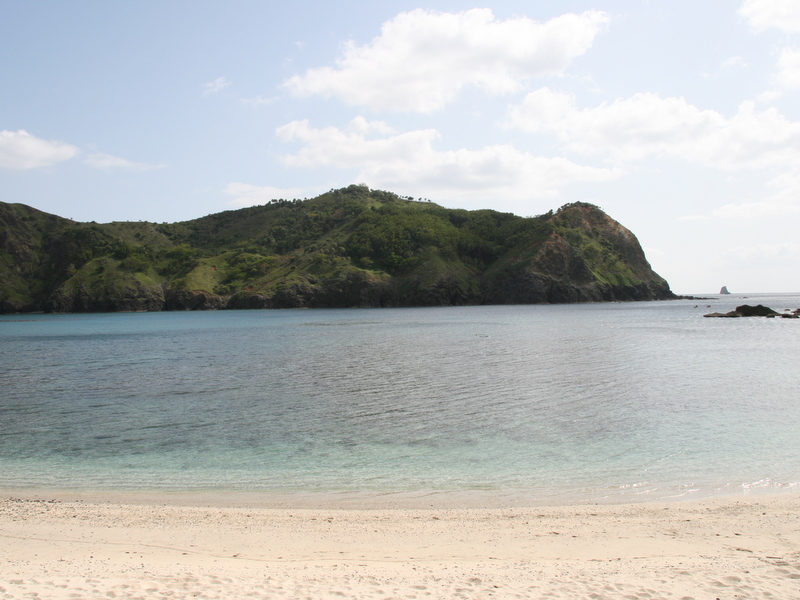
{"x":723,"y":547}
{"x":446,"y":499}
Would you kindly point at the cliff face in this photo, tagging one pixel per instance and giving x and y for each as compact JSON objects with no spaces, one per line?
{"x":349,"y":248}
{"x":587,"y":257}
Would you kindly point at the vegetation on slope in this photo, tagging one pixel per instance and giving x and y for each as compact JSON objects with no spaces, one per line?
{"x":348,"y":247}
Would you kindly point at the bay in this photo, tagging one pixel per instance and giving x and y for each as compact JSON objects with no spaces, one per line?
{"x":591,"y":402}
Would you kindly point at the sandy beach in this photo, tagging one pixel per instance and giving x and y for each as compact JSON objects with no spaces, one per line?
{"x":726,"y":548}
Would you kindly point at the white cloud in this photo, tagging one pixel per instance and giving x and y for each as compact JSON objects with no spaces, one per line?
{"x":769,"y":96}
{"x":780,"y":14}
{"x":361,"y":126}
{"x":212,"y":87}
{"x":21,"y":150}
{"x":771,"y":207}
{"x":409,"y":162}
{"x":759,"y":252}
{"x":99,"y":160}
{"x":734,"y":62}
{"x":350,"y":148}
{"x":244,"y":194}
{"x":257,"y":101}
{"x":647,"y":125}
{"x":783,"y":15}
{"x":788,"y":73}
{"x":785,"y":200}
{"x":422,"y":59}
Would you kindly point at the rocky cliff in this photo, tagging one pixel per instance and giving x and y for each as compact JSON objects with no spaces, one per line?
{"x":588,"y":257}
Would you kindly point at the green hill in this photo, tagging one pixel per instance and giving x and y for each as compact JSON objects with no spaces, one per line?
{"x":347,"y":248}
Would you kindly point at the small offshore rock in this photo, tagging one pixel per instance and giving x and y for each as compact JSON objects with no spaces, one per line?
{"x":745,"y":310}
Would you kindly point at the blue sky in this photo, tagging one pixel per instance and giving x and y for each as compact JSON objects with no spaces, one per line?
{"x":680,"y":119}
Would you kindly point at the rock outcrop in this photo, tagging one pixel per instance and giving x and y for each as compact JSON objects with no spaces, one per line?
{"x":745,"y":310}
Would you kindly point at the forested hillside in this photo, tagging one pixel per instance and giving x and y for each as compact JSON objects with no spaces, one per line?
{"x":352,"y":247}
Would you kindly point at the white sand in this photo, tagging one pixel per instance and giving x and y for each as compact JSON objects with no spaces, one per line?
{"x":741,"y":547}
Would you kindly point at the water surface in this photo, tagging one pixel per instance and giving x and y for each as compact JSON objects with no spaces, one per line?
{"x":594,"y":402}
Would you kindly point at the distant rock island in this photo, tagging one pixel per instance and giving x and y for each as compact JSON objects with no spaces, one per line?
{"x":351,"y":247}
{"x":724,"y":290}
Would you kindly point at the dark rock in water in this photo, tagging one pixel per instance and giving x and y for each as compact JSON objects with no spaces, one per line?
{"x":745,"y":310}
{"x":759,"y":310}
{"x":724,"y":290}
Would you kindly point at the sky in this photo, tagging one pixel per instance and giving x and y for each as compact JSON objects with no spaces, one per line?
{"x":680,"y":119}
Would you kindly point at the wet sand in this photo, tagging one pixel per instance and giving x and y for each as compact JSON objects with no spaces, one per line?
{"x":117,"y":546}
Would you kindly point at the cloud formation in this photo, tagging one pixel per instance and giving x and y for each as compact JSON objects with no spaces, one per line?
{"x":20,"y":150}
{"x":107,"y":161}
{"x":760,"y":252}
{"x":647,"y":125}
{"x":409,"y":161}
{"x":780,"y":14}
{"x":785,"y":16}
{"x":787,"y":75}
{"x":212,"y":87}
{"x":257,"y":101}
{"x":422,"y":59}
{"x":784,"y":200}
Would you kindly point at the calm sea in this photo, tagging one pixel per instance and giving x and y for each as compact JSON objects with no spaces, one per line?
{"x":591,"y":402}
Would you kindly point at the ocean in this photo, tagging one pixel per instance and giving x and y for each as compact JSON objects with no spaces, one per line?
{"x":610,"y":402}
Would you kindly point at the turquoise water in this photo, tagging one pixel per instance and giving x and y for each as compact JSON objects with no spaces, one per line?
{"x":592,"y":402}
